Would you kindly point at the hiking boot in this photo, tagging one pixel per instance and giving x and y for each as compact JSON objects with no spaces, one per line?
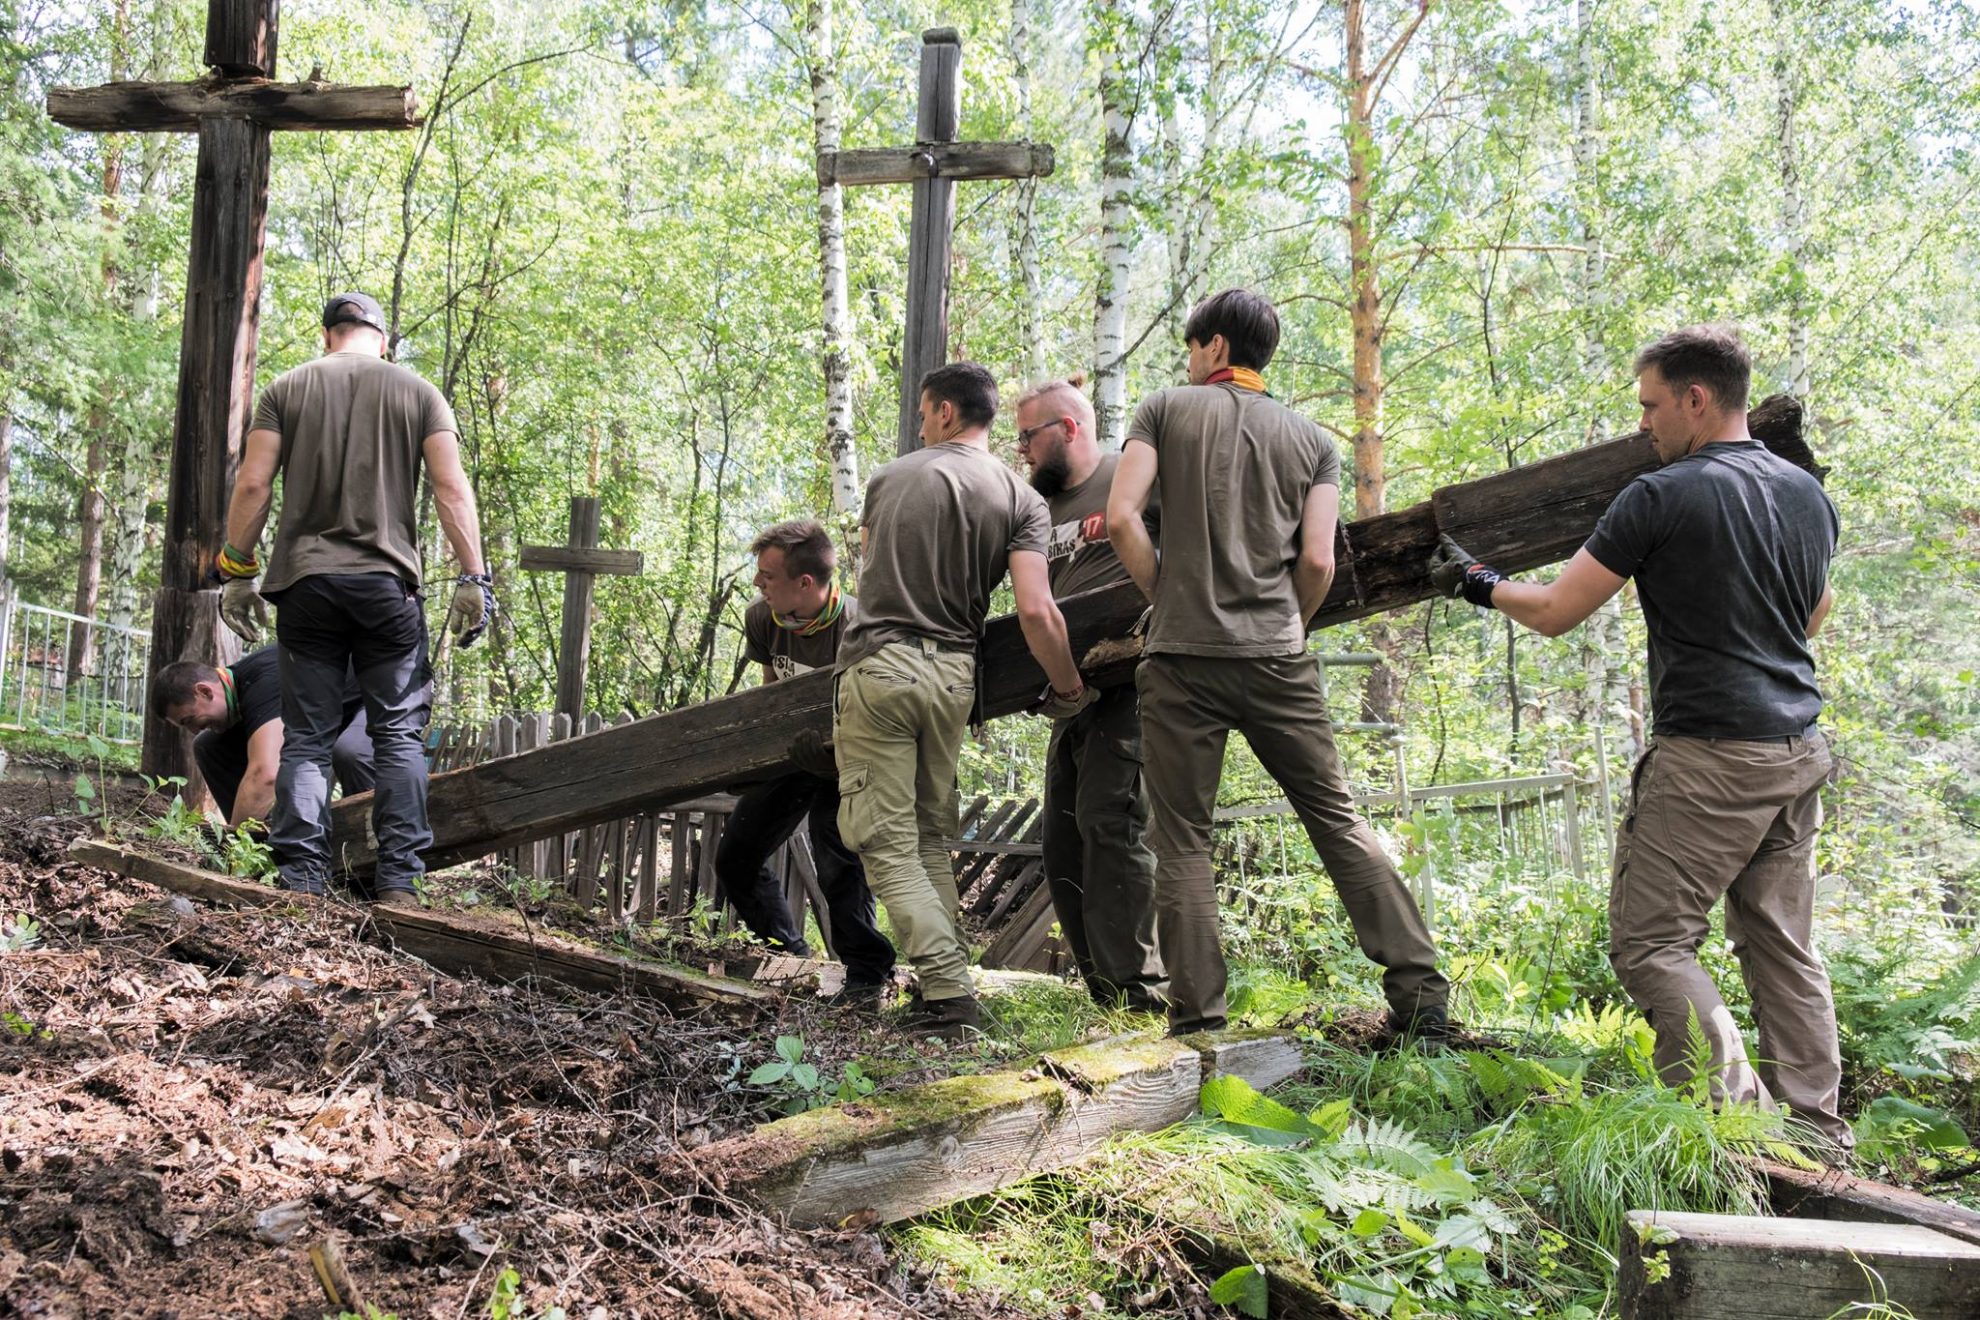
{"x":1427,"y":1028}
{"x":859,"y":997}
{"x":946,"y":1019}
{"x":396,"y":898}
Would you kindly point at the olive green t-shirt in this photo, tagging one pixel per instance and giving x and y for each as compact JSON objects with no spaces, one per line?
{"x":941,"y":524}
{"x":352,"y":427}
{"x":1081,"y":556}
{"x":1233,"y":468}
{"x":786,"y":651}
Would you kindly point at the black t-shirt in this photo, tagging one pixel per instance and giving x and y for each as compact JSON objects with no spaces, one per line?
{"x":1730,"y":549}
{"x":258,"y":695}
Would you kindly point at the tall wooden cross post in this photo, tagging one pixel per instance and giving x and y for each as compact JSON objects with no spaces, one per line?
{"x":579,"y":561}
{"x":932,"y":165}
{"x":233,"y":109}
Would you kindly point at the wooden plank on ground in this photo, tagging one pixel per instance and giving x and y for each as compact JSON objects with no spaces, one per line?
{"x":1751,"y":1267}
{"x":458,"y":943}
{"x":1831,"y":1194}
{"x":747,"y":736}
{"x":911,"y":1151}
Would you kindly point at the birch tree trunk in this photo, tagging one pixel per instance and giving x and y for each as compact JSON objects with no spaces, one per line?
{"x":1030,"y":284}
{"x":6,"y":492}
{"x":1364,"y":268}
{"x":825,"y":127}
{"x":1794,"y":202}
{"x":1111,"y":22}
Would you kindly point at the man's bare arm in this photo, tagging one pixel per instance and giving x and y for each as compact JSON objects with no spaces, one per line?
{"x":256,"y":796}
{"x":254,"y":489}
{"x":1822,"y":608}
{"x":1044,"y":626}
{"x":453,"y":499}
{"x":1127,"y":499}
{"x":1551,"y":608}
{"x":1313,"y":571}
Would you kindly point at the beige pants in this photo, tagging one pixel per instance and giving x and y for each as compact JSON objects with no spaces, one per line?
{"x":1189,"y":705}
{"x":1711,"y":817}
{"x":897,"y":725}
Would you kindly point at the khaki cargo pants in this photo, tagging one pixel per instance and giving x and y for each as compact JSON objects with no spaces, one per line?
{"x":1096,"y":855}
{"x":898,"y":718}
{"x":1189,"y":705}
{"x":1720,"y":816}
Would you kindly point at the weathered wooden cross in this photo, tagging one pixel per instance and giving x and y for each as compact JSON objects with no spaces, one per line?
{"x":932,"y":165}
{"x":233,"y":110}
{"x":579,"y":560}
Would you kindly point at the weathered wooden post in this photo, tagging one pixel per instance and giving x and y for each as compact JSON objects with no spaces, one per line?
{"x":580,"y":561}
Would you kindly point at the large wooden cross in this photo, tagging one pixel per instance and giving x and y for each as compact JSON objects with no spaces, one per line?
{"x":233,"y":110}
{"x":579,"y":560}
{"x":932,"y":165}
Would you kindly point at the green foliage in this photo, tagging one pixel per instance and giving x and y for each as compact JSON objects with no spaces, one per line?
{"x":1892,"y":1127}
{"x":804,"y":1085}
{"x":1246,"y":1288}
{"x":505,"y":1301}
{"x":19,"y":933}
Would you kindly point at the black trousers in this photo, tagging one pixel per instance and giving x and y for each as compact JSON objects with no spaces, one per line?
{"x":370,"y":624}
{"x":765,"y":816}
{"x":222,"y":758}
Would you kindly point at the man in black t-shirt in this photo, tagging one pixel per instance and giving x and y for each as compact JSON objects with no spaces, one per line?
{"x":796,"y":625}
{"x":237,"y":714}
{"x":1730,"y":548}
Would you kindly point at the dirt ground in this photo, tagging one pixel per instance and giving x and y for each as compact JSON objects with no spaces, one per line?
{"x":191,"y":1097}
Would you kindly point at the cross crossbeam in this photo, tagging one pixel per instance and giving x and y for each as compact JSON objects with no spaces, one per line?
{"x":580,"y":560}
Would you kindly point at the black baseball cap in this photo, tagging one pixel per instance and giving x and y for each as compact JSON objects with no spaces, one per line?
{"x":354,"y":309}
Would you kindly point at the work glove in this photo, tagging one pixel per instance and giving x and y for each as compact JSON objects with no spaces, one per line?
{"x":811,"y":752}
{"x":242,"y":609}
{"x":473,"y":608}
{"x":1455,"y":573}
{"x":1057,"y":705}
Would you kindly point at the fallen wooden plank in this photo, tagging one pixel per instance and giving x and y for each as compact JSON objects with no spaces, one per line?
{"x":1831,"y":1194}
{"x":1750,"y":1267}
{"x":1517,"y":520}
{"x":911,"y":1151}
{"x":458,"y":943}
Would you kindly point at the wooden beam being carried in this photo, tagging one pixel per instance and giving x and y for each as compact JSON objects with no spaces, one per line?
{"x":459,"y":943}
{"x":154,"y":107}
{"x":1514,"y":520}
{"x":1752,"y":1267}
{"x":911,"y":1151}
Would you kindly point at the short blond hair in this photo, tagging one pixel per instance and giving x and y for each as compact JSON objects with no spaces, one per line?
{"x":1071,"y":390}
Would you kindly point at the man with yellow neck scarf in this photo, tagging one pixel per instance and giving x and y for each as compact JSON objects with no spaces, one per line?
{"x":1250,"y":493}
{"x":795,"y":625}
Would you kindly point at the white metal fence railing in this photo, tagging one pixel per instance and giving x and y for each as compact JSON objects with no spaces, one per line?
{"x":105,"y":694}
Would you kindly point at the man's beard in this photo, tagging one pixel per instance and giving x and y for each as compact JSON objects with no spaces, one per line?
{"x":1049,"y":477}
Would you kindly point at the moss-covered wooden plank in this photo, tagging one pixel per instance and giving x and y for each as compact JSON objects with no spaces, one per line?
{"x":913,"y":1150}
{"x":1679,"y":1266}
{"x":459,"y":943}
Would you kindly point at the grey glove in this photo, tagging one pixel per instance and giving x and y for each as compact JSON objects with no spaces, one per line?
{"x":473,"y":608}
{"x":242,"y":609}
{"x":812,"y":753}
{"x":1455,"y":572}
{"x":1057,"y":705}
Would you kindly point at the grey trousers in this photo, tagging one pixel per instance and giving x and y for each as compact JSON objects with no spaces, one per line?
{"x":370,"y":624}
{"x":1189,"y":705}
{"x":1711,"y":817}
{"x":1096,"y":854}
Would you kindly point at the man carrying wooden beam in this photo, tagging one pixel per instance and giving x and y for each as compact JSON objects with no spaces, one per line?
{"x":1097,"y":861}
{"x":794,"y":626}
{"x":348,"y":433}
{"x":1730,"y":547}
{"x":1250,"y":492}
{"x":940,"y":526}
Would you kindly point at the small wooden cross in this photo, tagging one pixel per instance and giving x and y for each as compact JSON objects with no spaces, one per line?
{"x":579,"y":560}
{"x":932,"y":165}
{"x":233,"y":110}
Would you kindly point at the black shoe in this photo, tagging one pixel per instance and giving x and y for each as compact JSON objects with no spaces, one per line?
{"x":1427,"y":1028}
{"x":946,"y":1019}
{"x":859,"y":996}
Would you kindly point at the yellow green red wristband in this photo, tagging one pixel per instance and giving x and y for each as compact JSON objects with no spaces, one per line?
{"x":231,"y":563}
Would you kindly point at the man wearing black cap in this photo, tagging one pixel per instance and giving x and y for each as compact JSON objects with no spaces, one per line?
{"x":348,"y":433}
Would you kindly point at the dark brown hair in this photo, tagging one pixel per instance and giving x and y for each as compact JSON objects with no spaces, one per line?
{"x":1247,"y":321}
{"x":807,"y":548}
{"x":971,"y":388}
{"x":173,"y":686}
{"x":1709,"y":355}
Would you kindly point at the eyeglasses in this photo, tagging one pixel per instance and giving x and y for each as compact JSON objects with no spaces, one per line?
{"x":1024,"y":434}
